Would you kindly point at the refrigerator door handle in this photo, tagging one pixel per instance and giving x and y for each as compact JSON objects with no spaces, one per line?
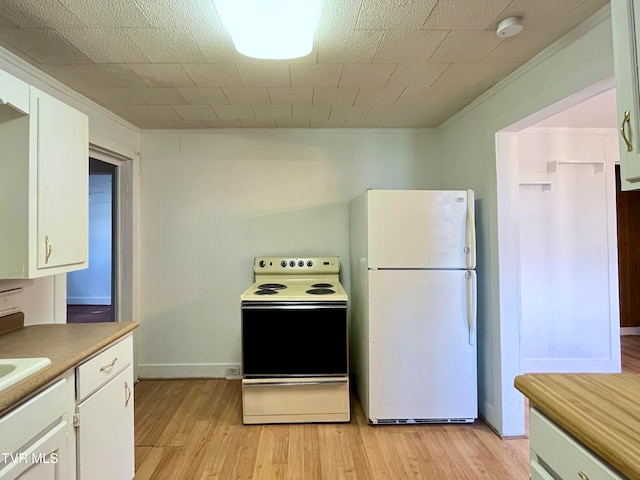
{"x":471,"y":306}
{"x":470,"y":248}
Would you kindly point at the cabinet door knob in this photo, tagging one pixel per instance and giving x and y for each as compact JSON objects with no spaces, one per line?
{"x":48,"y":249}
{"x":626,"y":121}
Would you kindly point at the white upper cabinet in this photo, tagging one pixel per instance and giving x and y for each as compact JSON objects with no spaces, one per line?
{"x":44,"y":199}
{"x":625,"y":17}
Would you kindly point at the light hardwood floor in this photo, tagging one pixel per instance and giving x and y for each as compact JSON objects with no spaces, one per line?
{"x":192,"y":430}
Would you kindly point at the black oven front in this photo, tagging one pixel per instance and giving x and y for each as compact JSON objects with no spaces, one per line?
{"x":294,"y":339}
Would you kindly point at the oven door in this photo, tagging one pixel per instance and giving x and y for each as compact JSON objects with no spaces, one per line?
{"x":294,"y":339}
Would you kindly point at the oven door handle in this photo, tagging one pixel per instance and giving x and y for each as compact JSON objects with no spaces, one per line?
{"x":292,"y":306}
{"x":259,"y":383}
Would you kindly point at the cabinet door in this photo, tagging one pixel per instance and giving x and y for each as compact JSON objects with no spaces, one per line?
{"x":105,"y":432}
{"x":46,"y":459}
{"x":625,"y":18}
{"x":62,"y":159}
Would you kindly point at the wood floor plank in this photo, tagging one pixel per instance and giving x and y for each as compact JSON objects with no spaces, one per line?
{"x":192,"y":429}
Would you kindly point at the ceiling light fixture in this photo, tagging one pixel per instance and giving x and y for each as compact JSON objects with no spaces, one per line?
{"x":509,"y":27}
{"x":270,"y":29}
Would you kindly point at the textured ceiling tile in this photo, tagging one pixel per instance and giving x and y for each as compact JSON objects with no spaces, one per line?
{"x":497,"y":71}
{"x":144,"y":114}
{"x":213,"y":75}
{"x":180,"y":13}
{"x":315,"y":75}
{"x":158,"y":124}
{"x":342,"y":14}
{"x":226,"y":123}
{"x":387,"y":111}
{"x":162,"y":75}
{"x":272,"y":112}
{"x":523,"y":46}
{"x":539,"y":14}
{"x":357,"y":46}
{"x":330,"y":123}
{"x":160,"y":96}
{"x":334,"y":96}
{"x":110,"y":97}
{"x":350,"y":111}
{"x":378,"y":96}
{"x":166,"y":44}
{"x":464,"y":74}
{"x":416,"y":74}
{"x":111,"y":13}
{"x":408,"y":46}
{"x":227,"y":112}
{"x":67,"y":74}
{"x":419,"y":96}
{"x":39,"y":14}
{"x":366,"y":75}
{"x":465,"y":47}
{"x":394,"y":13}
{"x":294,"y":123}
{"x":464,"y":15}
{"x":216,"y":45}
{"x":361,"y":123}
{"x":195,"y":112}
{"x":203,"y":96}
{"x":247,"y":95}
{"x":44,"y":46}
{"x":578,"y":15}
{"x":109,"y":75}
{"x":264,"y":75}
{"x":311,"y":112}
{"x":104,"y":45}
{"x":431,"y":116}
{"x":5,"y":22}
{"x":255,"y":123}
{"x":291,"y":96}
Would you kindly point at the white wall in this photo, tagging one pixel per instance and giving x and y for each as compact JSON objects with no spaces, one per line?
{"x":467,"y":150}
{"x":210,"y":202}
{"x":568,"y":254}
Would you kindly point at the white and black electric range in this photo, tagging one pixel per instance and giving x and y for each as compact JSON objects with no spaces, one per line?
{"x":294,"y":342}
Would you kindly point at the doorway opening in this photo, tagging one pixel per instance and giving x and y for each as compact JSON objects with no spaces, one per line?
{"x":92,"y":293}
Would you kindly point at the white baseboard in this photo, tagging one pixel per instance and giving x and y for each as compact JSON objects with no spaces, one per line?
{"x":629,"y":331}
{"x":187,"y":370}
{"x":568,"y":365}
{"x":89,"y":300}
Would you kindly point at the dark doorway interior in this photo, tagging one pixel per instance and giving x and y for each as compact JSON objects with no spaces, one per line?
{"x":91,"y":293}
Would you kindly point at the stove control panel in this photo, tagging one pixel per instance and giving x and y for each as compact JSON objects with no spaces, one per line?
{"x":293,"y":266}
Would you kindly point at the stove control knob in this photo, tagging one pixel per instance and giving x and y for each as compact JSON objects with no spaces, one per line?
{"x":309,"y":263}
{"x":292,"y":263}
{"x":283,"y":263}
{"x":262,"y":263}
{"x":301,"y":263}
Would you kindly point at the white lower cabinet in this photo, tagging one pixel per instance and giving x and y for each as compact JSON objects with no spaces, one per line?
{"x":37,"y":444}
{"x":104,"y":415}
{"x":555,"y":455}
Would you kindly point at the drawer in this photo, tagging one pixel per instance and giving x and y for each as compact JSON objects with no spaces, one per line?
{"x":14,"y":92}
{"x":27,"y":421}
{"x":97,"y":371}
{"x":562,"y":454}
{"x":295,"y":400}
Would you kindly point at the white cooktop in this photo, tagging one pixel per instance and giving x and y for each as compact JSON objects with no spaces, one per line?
{"x":298,"y":275}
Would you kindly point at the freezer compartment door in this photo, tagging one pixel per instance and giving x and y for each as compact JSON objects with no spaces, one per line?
{"x":422,"y":348}
{"x":421,"y":229}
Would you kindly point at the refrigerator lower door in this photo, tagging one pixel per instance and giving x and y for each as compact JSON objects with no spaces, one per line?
{"x":422,"y":349}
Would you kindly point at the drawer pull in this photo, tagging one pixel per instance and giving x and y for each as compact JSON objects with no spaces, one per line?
{"x":296,"y":384}
{"x":127,"y":392}
{"x":109,"y":365}
{"x":583,"y":476}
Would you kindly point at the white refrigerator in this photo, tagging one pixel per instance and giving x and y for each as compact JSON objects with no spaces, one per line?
{"x":413,"y":305}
